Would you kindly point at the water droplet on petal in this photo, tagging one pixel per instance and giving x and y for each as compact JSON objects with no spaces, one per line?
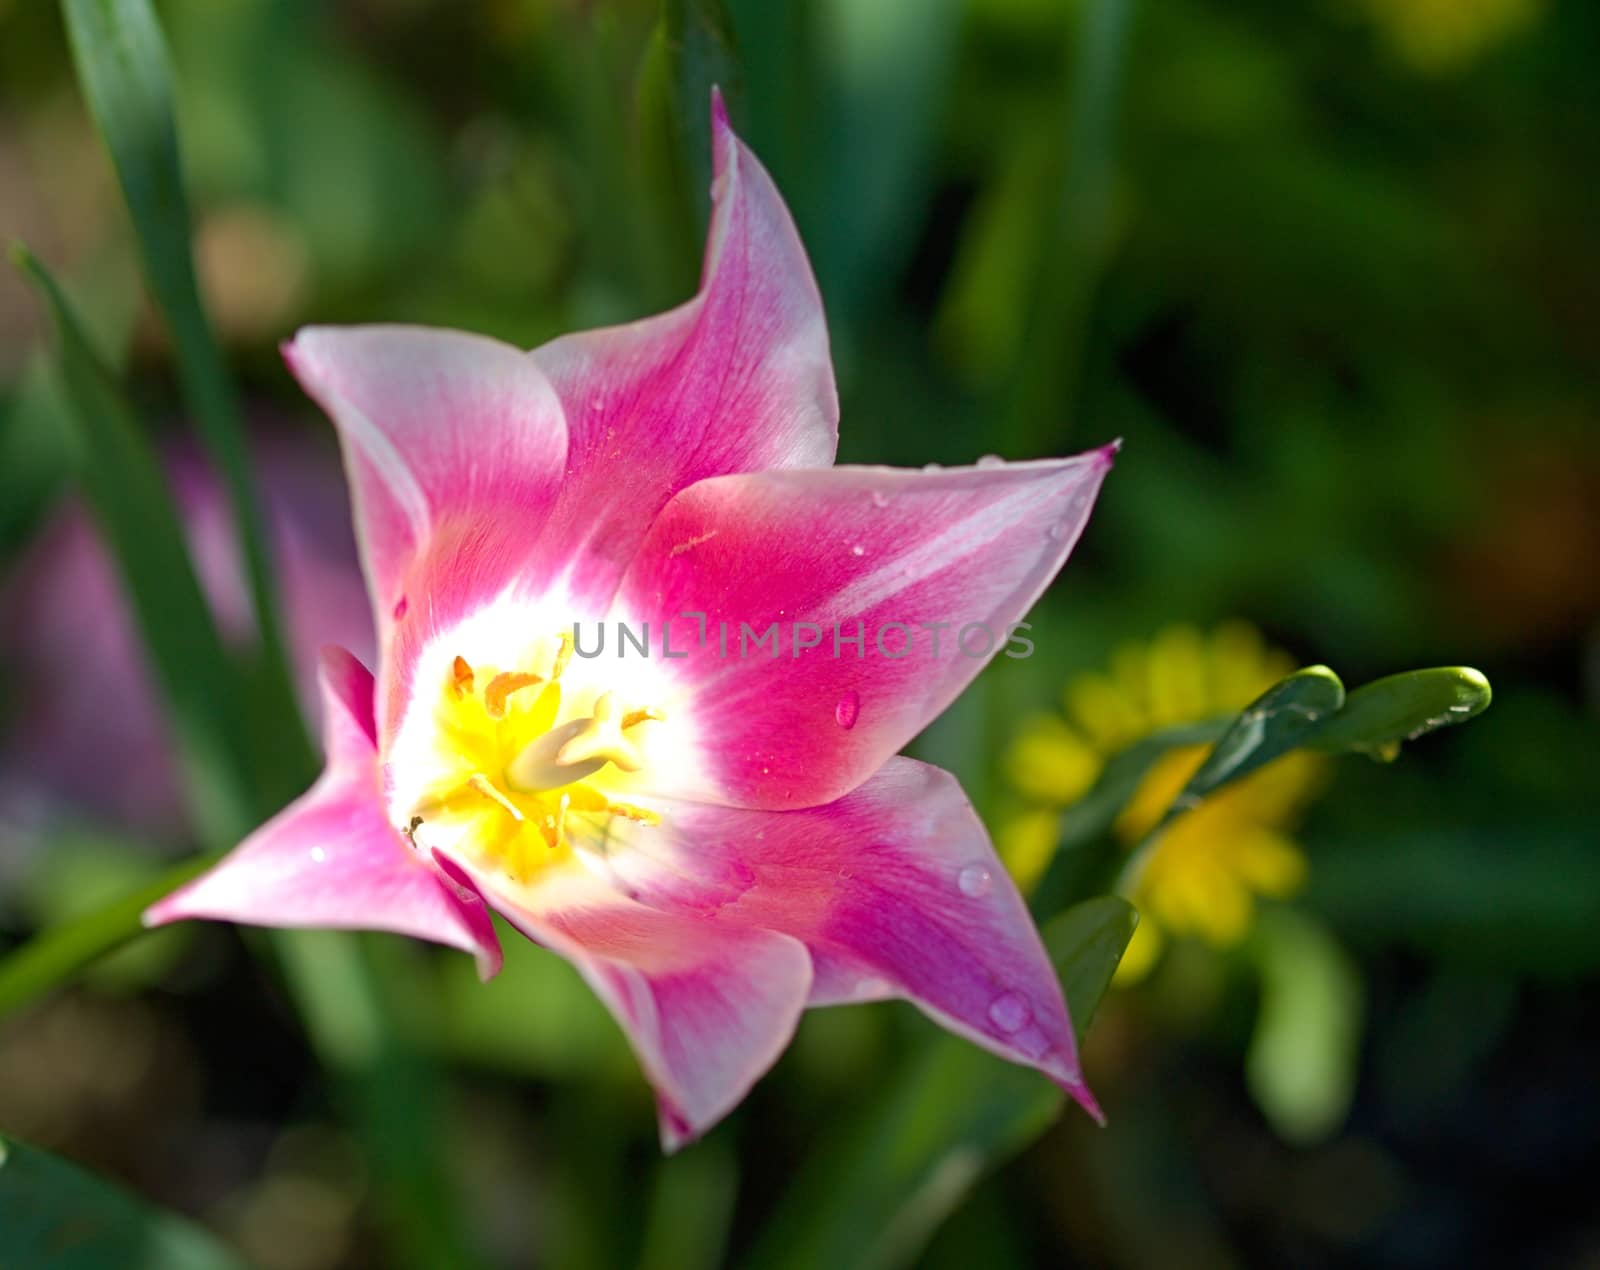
{"x":933,"y":467}
{"x":1031,"y":1042}
{"x":991,"y":460}
{"x":847,"y":711}
{"x":858,"y":550}
{"x":318,"y":855}
{"x":872,"y":988}
{"x":1055,"y":532}
{"x":975,"y":881}
{"x":401,"y":605}
{"x":1010,"y":1012}
{"x":879,"y":498}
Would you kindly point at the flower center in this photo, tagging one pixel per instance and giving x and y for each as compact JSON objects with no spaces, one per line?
{"x":516,"y":773}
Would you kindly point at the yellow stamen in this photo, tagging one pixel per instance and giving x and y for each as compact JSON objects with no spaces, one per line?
{"x":563,"y":656}
{"x":489,"y":790}
{"x":519,"y":783}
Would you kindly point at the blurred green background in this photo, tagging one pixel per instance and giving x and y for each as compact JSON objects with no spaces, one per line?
{"x":1331,"y":270}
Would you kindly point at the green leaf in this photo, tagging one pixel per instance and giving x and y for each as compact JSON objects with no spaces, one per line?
{"x":1379,"y":715}
{"x":1085,"y":944}
{"x":1301,"y":1066}
{"x":1281,"y":719}
{"x":874,"y":1193}
{"x":128,"y":495}
{"x":123,"y":69}
{"x":61,"y":1218}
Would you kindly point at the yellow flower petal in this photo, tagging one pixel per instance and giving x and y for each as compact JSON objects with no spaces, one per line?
{"x":1105,"y":713}
{"x":1177,"y":676}
{"x":1269,"y":862}
{"x":1050,"y":762}
{"x":1026,"y":843}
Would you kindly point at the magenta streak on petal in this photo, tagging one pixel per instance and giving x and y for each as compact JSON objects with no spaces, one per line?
{"x":736,"y":380}
{"x":331,"y":859}
{"x":873,"y":546}
{"x":872,"y":884}
{"x":707,"y":1006}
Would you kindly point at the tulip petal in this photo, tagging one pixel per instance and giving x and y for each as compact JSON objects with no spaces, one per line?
{"x":331,"y":859}
{"x":896,"y":891}
{"x":876,"y":551}
{"x":736,"y":380}
{"x":455,"y":446}
{"x":708,"y":1006}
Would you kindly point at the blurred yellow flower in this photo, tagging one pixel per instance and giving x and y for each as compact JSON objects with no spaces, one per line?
{"x":1445,"y":35}
{"x":1201,"y":876}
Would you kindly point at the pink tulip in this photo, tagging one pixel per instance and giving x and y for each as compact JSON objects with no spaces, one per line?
{"x":716,"y":841}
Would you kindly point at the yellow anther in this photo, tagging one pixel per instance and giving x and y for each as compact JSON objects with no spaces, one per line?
{"x":460,"y":677}
{"x":502,"y":686}
{"x":601,"y":739}
{"x":635,"y":717}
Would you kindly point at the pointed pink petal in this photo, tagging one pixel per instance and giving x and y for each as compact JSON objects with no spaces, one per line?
{"x":331,"y":859}
{"x":736,"y":380}
{"x":896,"y":891}
{"x":874,"y":550}
{"x":708,"y":1006}
{"x":455,"y":446}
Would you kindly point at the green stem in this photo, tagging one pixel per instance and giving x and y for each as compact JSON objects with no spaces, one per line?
{"x":53,"y":956}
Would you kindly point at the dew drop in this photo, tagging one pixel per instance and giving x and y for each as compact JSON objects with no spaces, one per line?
{"x":933,"y":467}
{"x":401,"y":605}
{"x":858,"y":550}
{"x":991,"y":460}
{"x":318,"y":855}
{"x":879,"y":498}
{"x":1009,"y":1012}
{"x":848,"y":710}
{"x":1055,"y":533}
{"x":975,"y":881}
{"x":1031,"y":1042}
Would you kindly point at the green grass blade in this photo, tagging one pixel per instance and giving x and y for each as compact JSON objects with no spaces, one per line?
{"x":126,"y":491}
{"x":56,"y":955}
{"x":123,"y":68}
